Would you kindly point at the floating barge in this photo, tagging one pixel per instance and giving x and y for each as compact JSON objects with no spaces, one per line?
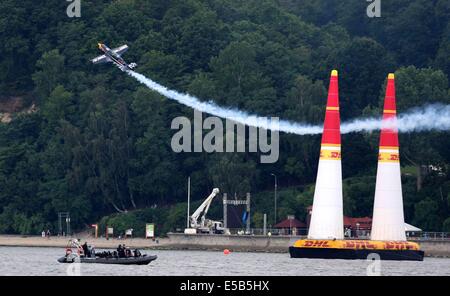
{"x":356,"y":249}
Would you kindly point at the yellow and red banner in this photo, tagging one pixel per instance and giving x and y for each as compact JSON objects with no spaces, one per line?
{"x":389,"y":157}
{"x":357,"y":244}
{"x":330,"y":154}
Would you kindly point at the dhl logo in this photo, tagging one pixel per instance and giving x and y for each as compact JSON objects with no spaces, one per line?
{"x":388,"y":157}
{"x":358,"y":245}
{"x":330,"y":155}
{"x":317,"y":244}
{"x":400,"y":246}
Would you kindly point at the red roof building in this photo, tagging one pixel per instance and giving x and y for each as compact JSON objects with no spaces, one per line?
{"x":289,"y":223}
{"x":353,"y":227}
{"x":364,"y":223}
{"x":291,"y":226}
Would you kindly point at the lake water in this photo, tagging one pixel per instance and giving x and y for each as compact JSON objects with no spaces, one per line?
{"x":42,"y":261}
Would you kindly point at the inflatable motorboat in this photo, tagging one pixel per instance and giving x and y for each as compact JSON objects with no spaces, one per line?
{"x":143,"y":260}
{"x":86,"y":254}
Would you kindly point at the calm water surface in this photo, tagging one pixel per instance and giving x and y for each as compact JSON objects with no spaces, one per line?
{"x":42,"y":261}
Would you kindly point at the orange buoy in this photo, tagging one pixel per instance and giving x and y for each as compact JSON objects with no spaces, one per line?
{"x":226,"y":252}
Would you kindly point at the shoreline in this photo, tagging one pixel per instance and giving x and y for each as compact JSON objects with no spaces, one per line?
{"x":180,"y":242}
{"x":61,"y":242}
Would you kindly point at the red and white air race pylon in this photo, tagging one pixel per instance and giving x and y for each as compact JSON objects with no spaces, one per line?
{"x":327,"y":214}
{"x":388,"y":222}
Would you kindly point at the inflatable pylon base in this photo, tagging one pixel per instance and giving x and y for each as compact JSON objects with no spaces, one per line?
{"x":356,"y":249}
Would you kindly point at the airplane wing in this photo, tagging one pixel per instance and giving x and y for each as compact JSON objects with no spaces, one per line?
{"x":101,"y":59}
{"x":120,"y":50}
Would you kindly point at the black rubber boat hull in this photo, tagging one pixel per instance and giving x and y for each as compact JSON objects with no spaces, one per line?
{"x":144,"y":260}
{"x":330,"y":253}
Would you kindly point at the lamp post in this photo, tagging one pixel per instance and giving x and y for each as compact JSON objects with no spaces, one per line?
{"x":188,"y":225}
{"x":276,"y":185}
{"x":68,"y":225}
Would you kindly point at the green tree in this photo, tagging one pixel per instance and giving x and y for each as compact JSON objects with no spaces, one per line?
{"x":426,"y":215}
{"x":441,"y":60}
{"x":161,"y":67}
{"x":305,"y":100}
{"x":412,"y":86}
{"x":49,"y":74}
{"x":232,"y":174}
{"x":58,"y":106}
{"x":236,"y":73}
{"x":364,"y":64}
{"x":446,"y":225}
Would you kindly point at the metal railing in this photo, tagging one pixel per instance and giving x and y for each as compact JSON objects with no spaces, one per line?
{"x":270,"y":231}
{"x":423,"y":236}
{"x":358,"y":234}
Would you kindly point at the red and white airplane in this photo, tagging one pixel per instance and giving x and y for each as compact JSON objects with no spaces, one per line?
{"x":114,"y":56}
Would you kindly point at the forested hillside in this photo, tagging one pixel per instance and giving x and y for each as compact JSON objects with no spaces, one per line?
{"x":98,"y":142}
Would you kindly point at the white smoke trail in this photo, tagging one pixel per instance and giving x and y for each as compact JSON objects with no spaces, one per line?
{"x":434,"y":117}
{"x":229,"y":113}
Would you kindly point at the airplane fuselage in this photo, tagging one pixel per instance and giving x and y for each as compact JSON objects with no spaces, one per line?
{"x":114,"y":57}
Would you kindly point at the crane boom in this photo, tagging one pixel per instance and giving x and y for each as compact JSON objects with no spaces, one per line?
{"x":203,"y":208}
